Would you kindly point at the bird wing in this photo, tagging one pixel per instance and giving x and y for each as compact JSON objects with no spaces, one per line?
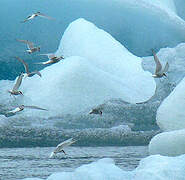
{"x":50,"y":55}
{"x":35,"y":72}
{"x":24,"y":64}
{"x":45,"y":16}
{"x":66,"y":143}
{"x":157,"y":62}
{"x":18,"y":82}
{"x":46,"y":62}
{"x":51,"y":155}
{"x":166,"y":68}
{"x":35,"y":107}
{"x":29,"y":43}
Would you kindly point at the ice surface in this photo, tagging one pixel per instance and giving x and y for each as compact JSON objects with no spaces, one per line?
{"x":168,"y":143}
{"x":158,"y":167}
{"x":154,"y":167}
{"x":103,"y":169}
{"x":171,"y":114}
{"x":107,"y":70}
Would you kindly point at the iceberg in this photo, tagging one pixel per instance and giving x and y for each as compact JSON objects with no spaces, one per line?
{"x":171,"y":114}
{"x":97,"y":68}
{"x":154,"y":167}
{"x":158,"y":167}
{"x":168,"y":143}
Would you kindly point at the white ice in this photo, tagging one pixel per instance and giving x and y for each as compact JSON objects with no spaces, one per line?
{"x":154,"y":167}
{"x":171,"y":114}
{"x":168,"y":143}
{"x":104,"y":71}
{"x":142,"y":25}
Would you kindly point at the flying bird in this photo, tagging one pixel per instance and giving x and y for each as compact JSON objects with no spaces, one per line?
{"x":21,"y":108}
{"x":159,"y":72}
{"x":98,"y":110}
{"x":60,"y":146}
{"x":30,"y":45}
{"x":52,"y":59}
{"x":28,"y":74}
{"x":34,"y":15}
{"x":15,"y":90}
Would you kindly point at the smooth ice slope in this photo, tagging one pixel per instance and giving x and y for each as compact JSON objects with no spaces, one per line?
{"x":168,"y":143}
{"x":158,"y":167}
{"x":103,"y":169}
{"x":108,"y":70}
{"x":84,"y":39}
{"x":154,"y":167}
{"x":171,"y":113}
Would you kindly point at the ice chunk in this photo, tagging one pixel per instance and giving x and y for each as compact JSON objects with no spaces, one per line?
{"x":76,"y":84}
{"x":153,"y":167}
{"x":171,"y":114}
{"x":84,"y":39}
{"x":103,"y":169}
{"x":168,"y":143}
{"x":158,"y":167}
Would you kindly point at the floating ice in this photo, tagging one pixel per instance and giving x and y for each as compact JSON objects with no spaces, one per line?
{"x":171,"y":114}
{"x":158,"y":167}
{"x":153,"y":167}
{"x":74,"y":85}
{"x":103,"y":169}
{"x":168,"y":143}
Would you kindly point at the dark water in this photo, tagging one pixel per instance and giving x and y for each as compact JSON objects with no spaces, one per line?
{"x":19,"y":163}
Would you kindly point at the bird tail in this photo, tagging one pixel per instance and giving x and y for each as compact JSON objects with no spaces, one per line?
{"x":51,"y":155}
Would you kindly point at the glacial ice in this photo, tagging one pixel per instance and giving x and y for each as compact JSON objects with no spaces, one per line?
{"x":106,"y":70}
{"x":154,"y":167}
{"x":171,"y":114}
{"x":168,"y":143}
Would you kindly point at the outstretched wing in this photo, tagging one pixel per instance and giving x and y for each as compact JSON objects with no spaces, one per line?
{"x":157,"y":62}
{"x":166,"y":68}
{"x":66,"y":143}
{"x":35,"y":107}
{"x":35,"y":72}
{"x":44,"y":16}
{"x":50,"y":55}
{"x":29,"y":43}
{"x":24,"y":64}
{"x":18,"y":82}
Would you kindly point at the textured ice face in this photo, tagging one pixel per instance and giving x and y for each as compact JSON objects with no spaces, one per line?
{"x":158,"y":167}
{"x":153,"y":167}
{"x":171,"y":114}
{"x":100,"y":170}
{"x":168,"y":143}
{"x":106,"y":70}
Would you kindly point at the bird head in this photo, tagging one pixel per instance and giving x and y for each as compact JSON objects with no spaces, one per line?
{"x":164,"y":75}
{"x":20,"y":92}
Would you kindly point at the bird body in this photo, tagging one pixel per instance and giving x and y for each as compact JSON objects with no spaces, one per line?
{"x":34,"y":15}
{"x":30,"y":45}
{"x":52,"y":59}
{"x":15,"y":90}
{"x":21,"y":108}
{"x":60,"y":146}
{"x":159,"y":72}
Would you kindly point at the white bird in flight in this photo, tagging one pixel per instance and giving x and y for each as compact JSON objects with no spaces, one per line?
{"x":21,"y":108}
{"x":34,"y":15}
{"x":30,"y":45}
{"x":52,"y":59}
{"x":15,"y":90}
{"x":60,"y":146}
{"x":159,"y":72}
{"x":28,"y":74}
